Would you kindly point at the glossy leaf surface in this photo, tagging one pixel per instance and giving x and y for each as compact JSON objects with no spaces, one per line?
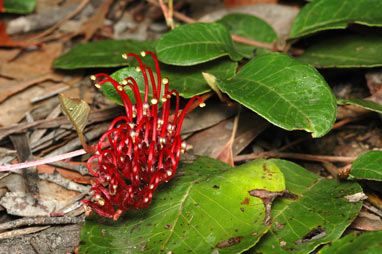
{"x":335,"y":14}
{"x":197,"y":43}
{"x":315,"y":212}
{"x":287,"y":93}
{"x":206,"y":207}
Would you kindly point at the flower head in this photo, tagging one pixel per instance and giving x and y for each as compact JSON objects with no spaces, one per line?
{"x":141,"y":149}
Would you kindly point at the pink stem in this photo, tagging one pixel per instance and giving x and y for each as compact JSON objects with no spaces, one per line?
{"x":43,"y":161}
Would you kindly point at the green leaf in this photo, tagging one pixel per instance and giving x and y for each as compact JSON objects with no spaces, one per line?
{"x":367,"y":166}
{"x":287,"y":93}
{"x":315,"y":212}
{"x":335,"y":14}
{"x":19,"y":6}
{"x":348,"y":51}
{"x":369,"y":105}
{"x":107,"y":53}
{"x":195,"y":43}
{"x":110,"y":92}
{"x":250,"y":27}
{"x":189,"y":81}
{"x":366,"y":243}
{"x":205,"y":208}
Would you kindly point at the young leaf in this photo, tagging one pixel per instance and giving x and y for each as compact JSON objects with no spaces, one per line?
{"x":350,"y":51}
{"x":195,"y":43}
{"x":287,"y":93}
{"x":206,"y":207}
{"x":314,"y":213}
{"x":77,"y":111}
{"x":250,"y":27}
{"x":18,"y":6}
{"x":107,"y":53}
{"x":366,"y":243}
{"x":335,"y":14}
{"x":369,"y":105}
{"x":367,"y":166}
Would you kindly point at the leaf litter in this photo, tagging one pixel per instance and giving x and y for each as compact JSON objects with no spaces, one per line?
{"x":26,"y":73}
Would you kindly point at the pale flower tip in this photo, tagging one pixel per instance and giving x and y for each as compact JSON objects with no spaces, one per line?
{"x":163,"y":99}
{"x":98,"y":86}
{"x":92,"y":77}
{"x":138,"y":68}
{"x":165,"y":81}
{"x":202,"y":105}
{"x":154,"y":101}
{"x":124,"y":82}
{"x":124,"y":56}
{"x":120,"y":88}
{"x":143,"y":53}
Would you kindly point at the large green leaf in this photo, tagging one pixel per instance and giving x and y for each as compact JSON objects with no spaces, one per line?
{"x":107,"y":53}
{"x":369,"y":105}
{"x":287,"y":93}
{"x":336,"y":14}
{"x":195,"y":43}
{"x":206,"y":208}
{"x":248,"y":26}
{"x":366,"y":243}
{"x":345,"y":52}
{"x":314,"y":213}
{"x":19,"y":6}
{"x":188,"y":81}
{"x":367,"y":166}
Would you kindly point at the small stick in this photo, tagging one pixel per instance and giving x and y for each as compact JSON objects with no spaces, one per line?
{"x":298,"y":156}
{"x":236,"y":38}
{"x":20,"y":232}
{"x":27,"y":221}
{"x":58,"y":24}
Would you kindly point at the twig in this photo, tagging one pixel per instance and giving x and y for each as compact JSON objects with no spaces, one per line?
{"x":167,"y":14}
{"x":27,"y":221}
{"x":58,"y":24}
{"x":19,"y":232}
{"x":66,"y":183}
{"x":78,"y":168}
{"x":236,"y":38}
{"x":298,"y":156}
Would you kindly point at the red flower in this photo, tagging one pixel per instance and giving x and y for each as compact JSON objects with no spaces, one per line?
{"x":143,"y":147}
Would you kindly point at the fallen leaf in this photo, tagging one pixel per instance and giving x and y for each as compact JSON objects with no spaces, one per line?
{"x":6,"y":41}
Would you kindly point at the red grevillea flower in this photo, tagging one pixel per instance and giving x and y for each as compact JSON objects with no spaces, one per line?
{"x":141,"y":149}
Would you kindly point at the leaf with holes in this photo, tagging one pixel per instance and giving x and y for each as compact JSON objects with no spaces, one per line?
{"x":367,"y":166}
{"x":18,"y":6}
{"x":366,"y":243}
{"x":206,"y":207}
{"x":250,"y":27}
{"x":336,"y":14}
{"x":366,"y":104}
{"x":350,"y":51}
{"x":314,"y":212}
{"x":287,"y":93}
{"x":195,"y":43}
